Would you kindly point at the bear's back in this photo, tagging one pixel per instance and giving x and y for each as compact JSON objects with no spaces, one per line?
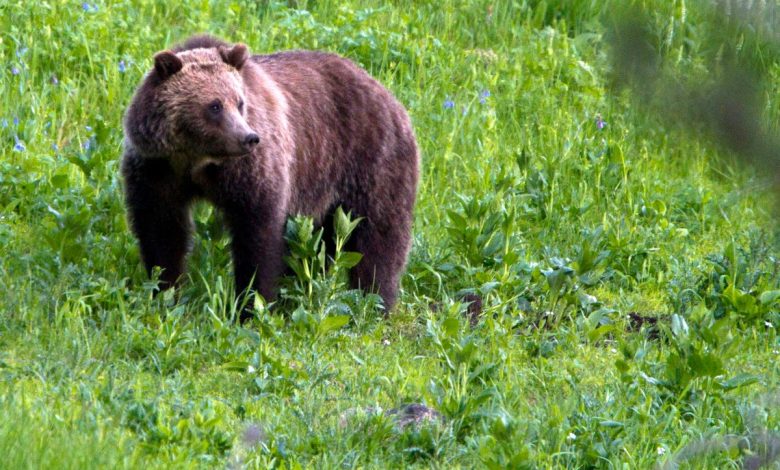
{"x":344,"y":122}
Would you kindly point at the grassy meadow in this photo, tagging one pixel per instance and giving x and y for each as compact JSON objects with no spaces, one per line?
{"x":626,"y":261}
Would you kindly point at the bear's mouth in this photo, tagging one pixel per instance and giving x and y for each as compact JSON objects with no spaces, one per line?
{"x":231,"y":155}
{"x":244,"y":153}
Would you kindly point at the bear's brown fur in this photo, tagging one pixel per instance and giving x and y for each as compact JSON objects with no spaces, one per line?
{"x":263,"y":137}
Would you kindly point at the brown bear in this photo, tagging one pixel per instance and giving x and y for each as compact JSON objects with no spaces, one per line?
{"x":263,"y":137}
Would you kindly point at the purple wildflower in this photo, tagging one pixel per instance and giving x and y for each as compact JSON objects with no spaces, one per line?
{"x":15,"y":70}
{"x":254,"y":435}
{"x":122,"y":66}
{"x":54,"y":147}
{"x":484,"y":96}
{"x":449,"y":104}
{"x":89,"y":8}
{"x":600,"y":123}
{"x":89,"y":128}
{"x":19,"y":146}
{"x":55,"y":80}
{"x":16,"y":121}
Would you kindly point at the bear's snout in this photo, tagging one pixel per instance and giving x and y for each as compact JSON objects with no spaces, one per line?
{"x":250,"y":140}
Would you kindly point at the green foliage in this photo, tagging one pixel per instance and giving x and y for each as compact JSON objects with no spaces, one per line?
{"x":546,"y":192}
{"x":319,"y":287}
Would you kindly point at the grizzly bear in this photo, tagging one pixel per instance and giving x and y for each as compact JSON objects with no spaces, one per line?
{"x":264,"y":137}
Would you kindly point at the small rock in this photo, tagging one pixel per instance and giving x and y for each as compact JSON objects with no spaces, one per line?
{"x":636,"y":322}
{"x":473,"y":308}
{"x":414,"y":413}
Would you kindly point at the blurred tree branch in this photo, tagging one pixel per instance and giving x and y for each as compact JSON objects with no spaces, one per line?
{"x":727,"y":95}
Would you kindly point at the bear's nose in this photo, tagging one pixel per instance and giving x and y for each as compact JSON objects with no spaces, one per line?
{"x":251,"y":140}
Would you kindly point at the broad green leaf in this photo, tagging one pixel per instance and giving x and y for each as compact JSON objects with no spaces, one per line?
{"x":739,"y":381}
{"x":705,"y":364}
{"x":333,"y":323}
{"x":349,"y":259}
{"x":679,"y":326}
{"x":451,"y":326}
{"x":769,"y":297}
{"x":598,"y":333}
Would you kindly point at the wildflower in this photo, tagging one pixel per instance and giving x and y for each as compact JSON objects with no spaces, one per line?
{"x":769,"y":324}
{"x":660,"y":450}
{"x":571,"y":436}
{"x":16,"y":121}
{"x":89,"y":128}
{"x":254,"y":435}
{"x":4,"y":122}
{"x":55,"y":80}
{"x":55,"y":147}
{"x":600,"y":123}
{"x":19,"y":146}
{"x":21,"y":52}
{"x":15,"y":70}
{"x":484,"y":96}
{"x":449,"y":104}
{"x":89,"y":8}
{"x":122,"y":66}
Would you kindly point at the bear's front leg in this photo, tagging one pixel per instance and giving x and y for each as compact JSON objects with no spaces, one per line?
{"x":159,"y":216}
{"x":258,"y":249}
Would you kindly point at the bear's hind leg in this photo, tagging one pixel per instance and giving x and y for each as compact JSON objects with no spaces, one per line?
{"x":384,"y":249}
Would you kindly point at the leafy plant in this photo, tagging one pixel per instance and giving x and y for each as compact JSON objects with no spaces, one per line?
{"x":320,"y":277}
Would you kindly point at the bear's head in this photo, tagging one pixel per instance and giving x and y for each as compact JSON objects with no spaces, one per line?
{"x":193,"y":105}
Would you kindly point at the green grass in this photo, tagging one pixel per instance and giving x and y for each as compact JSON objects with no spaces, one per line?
{"x":562,"y":227}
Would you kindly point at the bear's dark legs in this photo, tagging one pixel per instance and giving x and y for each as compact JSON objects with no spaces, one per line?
{"x":258,"y":250}
{"x":384,"y":250}
{"x":159,"y":217}
{"x":164,"y":239}
{"x":258,"y":261}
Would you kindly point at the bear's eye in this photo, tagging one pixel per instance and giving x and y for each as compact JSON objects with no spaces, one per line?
{"x":215,"y":107}
{"x":241,"y":105}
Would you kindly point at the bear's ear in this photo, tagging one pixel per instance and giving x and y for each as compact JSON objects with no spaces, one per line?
{"x":235,"y":56}
{"x":166,"y":63}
